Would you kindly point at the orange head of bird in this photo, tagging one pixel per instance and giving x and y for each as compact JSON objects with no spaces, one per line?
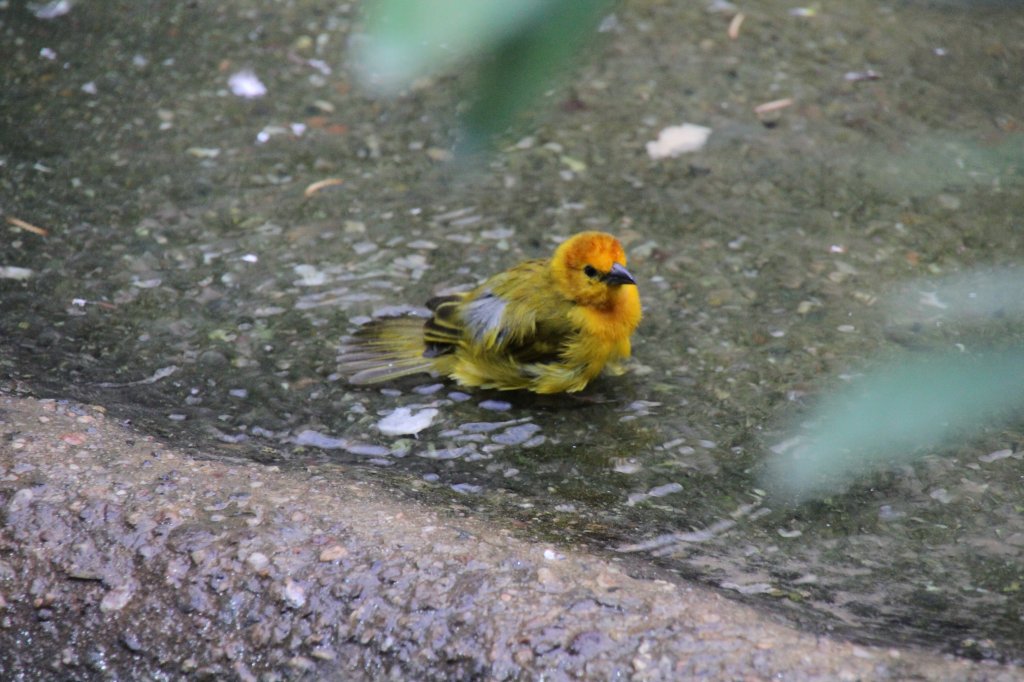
{"x":590,"y":267}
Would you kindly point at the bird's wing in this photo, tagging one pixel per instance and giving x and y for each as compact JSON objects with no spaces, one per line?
{"x":516,"y":311}
{"x":519,"y":311}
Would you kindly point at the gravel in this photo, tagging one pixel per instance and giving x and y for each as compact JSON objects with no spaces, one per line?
{"x":123,"y":558}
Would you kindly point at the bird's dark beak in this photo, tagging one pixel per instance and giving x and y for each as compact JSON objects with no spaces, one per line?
{"x":618,"y":275}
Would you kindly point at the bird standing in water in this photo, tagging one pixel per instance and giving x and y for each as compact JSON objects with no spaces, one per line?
{"x":545,"y":326}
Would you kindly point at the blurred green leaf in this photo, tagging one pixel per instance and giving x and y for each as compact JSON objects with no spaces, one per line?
{"x":886,"y":418}
{"x":517,"y":48}
{"x":409,"y":39}
{"x":525,"y":65}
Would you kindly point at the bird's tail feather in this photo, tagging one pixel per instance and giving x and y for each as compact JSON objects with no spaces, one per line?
{"x":384,"y":349}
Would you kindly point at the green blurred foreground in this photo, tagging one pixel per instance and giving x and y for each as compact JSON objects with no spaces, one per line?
{"x":895,"y":414}
{"x":517,"y":50}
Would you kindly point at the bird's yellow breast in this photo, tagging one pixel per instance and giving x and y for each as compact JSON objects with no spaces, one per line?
{"x":613,"y":322}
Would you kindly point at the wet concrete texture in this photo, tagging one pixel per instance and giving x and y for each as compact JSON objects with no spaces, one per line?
{"x":189,"y":258}
{"x":123,"y":558}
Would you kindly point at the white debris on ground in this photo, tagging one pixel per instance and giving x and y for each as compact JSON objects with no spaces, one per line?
{"x":14,"y":272}
{"x":309,"y":275}
{"x":675,"y":140}
{"x":50,"y":10}
{"x":246,"y":83}
{"x":403,"y":422}
{"x":658,"y":491}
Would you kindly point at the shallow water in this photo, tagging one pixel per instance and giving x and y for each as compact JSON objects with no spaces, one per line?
{"x":187,"y":282}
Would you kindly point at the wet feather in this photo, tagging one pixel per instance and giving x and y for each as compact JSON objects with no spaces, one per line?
{"x":545,"y":326}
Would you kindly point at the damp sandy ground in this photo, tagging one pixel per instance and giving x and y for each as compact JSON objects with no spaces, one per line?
{"x":123,"y":558}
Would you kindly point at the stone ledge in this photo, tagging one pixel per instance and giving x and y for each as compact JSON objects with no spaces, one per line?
{"x":121,"y":557}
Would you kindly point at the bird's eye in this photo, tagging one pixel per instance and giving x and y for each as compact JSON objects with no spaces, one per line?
{"x":590,"y":271}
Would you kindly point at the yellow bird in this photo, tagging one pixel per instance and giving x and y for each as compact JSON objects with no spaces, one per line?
{"x":546,"y":326}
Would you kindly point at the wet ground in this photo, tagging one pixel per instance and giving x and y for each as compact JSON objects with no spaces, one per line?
{"x":189,"y":276}
{"x":123,"y":558}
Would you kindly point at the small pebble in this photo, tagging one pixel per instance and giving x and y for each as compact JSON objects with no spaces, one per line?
{"x":316,"y":439}
{"x":324,"y":653}
{"x":116,"y":598}
{"x":887,"y":513}
{"x":447,"y":453}
{"x":333,"y":553}
{"x":627,"y":466}
{"x":667,"y":489}
{"x":515,"y":435}
{"x":131,"y":642}
{"x":483,"y":427}
{"x":74,"y":438}
{"x":367,"y":449}
{"x":995,"y":456}
{"x":257,"y":561}
{"x":294,"y":593}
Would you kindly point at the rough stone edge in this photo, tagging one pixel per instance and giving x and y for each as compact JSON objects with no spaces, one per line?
{"x":121,"y":557}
